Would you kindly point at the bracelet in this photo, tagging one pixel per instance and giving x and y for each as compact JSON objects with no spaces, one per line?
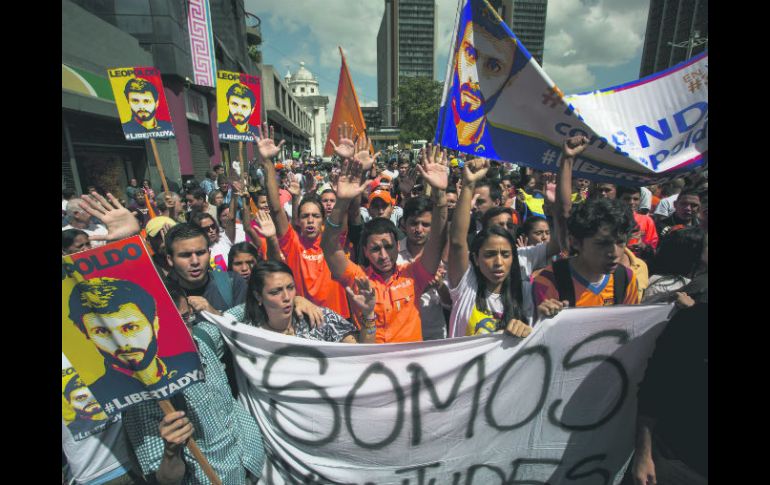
{"x":335,"y":226}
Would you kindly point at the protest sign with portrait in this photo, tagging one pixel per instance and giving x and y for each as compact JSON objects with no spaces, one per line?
{"x":81,"y":412}
{"x":141,"y":102}
{"x":120,"y":329}
{"x":239,"y":106}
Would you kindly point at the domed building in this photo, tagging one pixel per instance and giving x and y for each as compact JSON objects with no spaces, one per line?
{"x":304,"y":87}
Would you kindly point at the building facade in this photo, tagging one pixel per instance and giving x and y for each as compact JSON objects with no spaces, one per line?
{"x":526,"y":18}
{"x":675,"y":22}
{"x":98,"y":35}
{"x":406,"y":43}
{"x":285,"y":112}
{"x":304,"y":87}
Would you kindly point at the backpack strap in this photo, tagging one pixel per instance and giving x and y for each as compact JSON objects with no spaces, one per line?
{"x":619,"y":283}
{"x":224,"y":285}
{"x":564,"y":284}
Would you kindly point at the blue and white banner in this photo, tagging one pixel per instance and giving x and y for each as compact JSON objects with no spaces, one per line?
{"x":498,"y":103}
{"x":556,"y":407}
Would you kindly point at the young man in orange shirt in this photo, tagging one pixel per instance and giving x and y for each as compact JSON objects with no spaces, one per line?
{"x":302,"y":250}
{"x":398,"y":287}
{"x":598,"y":230}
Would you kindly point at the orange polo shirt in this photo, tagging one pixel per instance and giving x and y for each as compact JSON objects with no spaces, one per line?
{"x":398,"y":318}
{"x":311,"y":273}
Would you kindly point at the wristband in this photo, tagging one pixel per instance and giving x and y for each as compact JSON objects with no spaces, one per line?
{"x":335,"y":226}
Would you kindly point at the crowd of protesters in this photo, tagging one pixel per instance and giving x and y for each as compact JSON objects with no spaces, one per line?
{"x":400,"y":247}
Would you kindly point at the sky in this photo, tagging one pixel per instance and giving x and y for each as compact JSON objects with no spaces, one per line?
{"x":590,"y":44}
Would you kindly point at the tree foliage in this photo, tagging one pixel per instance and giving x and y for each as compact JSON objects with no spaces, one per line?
{"x":418,"y":103}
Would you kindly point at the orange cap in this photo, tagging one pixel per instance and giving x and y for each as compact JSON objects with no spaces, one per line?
{"x":381,"y":194}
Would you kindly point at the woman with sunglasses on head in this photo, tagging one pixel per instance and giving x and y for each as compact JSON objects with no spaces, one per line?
{"x":270,"y":305}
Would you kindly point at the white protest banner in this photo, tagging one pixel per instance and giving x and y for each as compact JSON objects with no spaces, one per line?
{"x":499,"y":103}
{"x":557,"y":407}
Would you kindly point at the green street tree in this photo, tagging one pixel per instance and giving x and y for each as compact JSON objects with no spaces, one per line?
{"x":418,"y":103}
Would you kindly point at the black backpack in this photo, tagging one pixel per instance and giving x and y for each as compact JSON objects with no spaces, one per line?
{"x":566,"y":289}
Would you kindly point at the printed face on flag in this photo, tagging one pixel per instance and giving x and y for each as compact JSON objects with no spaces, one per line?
{"x":121,"y":328}
{"x":141,"y":103}
{"x":238,"y":106}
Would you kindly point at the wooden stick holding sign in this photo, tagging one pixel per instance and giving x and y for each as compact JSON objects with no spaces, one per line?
{"x":159,"y":165}
{"x":168,"y":408}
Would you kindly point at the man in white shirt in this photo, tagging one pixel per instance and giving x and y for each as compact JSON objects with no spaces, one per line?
{"x":80,"y":219}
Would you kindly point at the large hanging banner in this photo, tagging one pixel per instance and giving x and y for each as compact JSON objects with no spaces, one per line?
{"x":141,"y":102}
{"x":81,"y":412}
{"x":239,"y":106}
{"x":121,"y":331}
{"x":499,"y":103}
{"x":557,"y":407}
{"x":204,"y":62}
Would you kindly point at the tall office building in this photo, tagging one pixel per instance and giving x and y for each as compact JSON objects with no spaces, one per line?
{"x":674,"y":21}
{"x":406,"y":43}
{"x":526,"y":18}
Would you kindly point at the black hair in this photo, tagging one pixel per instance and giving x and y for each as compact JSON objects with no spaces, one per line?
{"x":495,"y":193}
{"x":67,"y":193}
{"x":198,"y":216}
{"x":511,"y":290}
{"x":139,"y":85}
{"x":494,"y":212}
{"x":107,"y":295}
{"x":378,"y":225}
{"x":679,"y":253}
{"x":198,"y":193}
{"x":311,"y":198}
{"x":689,"y":191}
{"x":184,"y":231}
{"x":68,"y":237}
{"x":240,"y":248}
{"x":255,"y":313}
{"x":212,"y":195}
{"x":241,"y":91}
{"x":529,"y":224}
{"x":326,"y":191}
{"x":220,"y":209}
{"x":622,"y":190}
{"x":416,"y":206}
{"x":586,"y":218}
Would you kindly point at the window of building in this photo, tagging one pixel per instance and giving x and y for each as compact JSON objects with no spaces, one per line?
{"x":302,"y":89}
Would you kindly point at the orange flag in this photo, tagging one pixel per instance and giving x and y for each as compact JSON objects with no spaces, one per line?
{"x":346,"y":108}
{"x":149,"y":206}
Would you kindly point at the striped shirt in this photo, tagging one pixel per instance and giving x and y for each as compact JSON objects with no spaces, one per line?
{"x":226,"y":434}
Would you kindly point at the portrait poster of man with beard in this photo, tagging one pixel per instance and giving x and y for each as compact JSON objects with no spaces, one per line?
{"x":486,"y":60}
{"x":81,"y":412}
{"x":141,"y":103}
{"x":239,"y":106}
{"x":120,"y":329}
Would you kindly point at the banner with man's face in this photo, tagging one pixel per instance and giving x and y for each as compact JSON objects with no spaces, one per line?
{"x":141,"y":102}
{"x":81,"y":412}
{"x":239,"y":105}
{"x":120,"y":328}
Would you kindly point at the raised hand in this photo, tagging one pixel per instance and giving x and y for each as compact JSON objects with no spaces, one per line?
{"x":351,"y":182}
{"x":575,"y":145}
{"x":365,"y":299}
{"x":522,"y":242}
{"x":347,"y":147}
{"x":434,"y":167}
{"x":266,"y":143}
{"x":294,"y":188}
{"x":265,"y":225}
{"x":550,"y":192}
{"x":362,"y":153}
{"x":475,"y":170}
{"x":119,"y":221}
{"x":238,"y":189}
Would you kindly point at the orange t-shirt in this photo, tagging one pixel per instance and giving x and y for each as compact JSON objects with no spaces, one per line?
{"x":398,"y":318}
{"x":586,"y":294}
{"x":311,"y":273}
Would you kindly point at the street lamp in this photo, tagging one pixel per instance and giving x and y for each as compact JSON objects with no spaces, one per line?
{"x":694,"y":41}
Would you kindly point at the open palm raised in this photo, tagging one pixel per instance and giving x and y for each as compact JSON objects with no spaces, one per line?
{"x":347,"y":147}
{"x":266,"y":143}
{"x":351,"y":182}
{"x":434,"y":167}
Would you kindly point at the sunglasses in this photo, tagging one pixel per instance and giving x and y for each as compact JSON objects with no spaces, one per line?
{"x":212,"y":228}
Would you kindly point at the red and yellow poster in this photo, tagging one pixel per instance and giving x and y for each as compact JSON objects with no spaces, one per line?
{"x":141,"y":102}
{"x":81,"y":412}
{"x":239,"y":105}
{"x":121,"y":331}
